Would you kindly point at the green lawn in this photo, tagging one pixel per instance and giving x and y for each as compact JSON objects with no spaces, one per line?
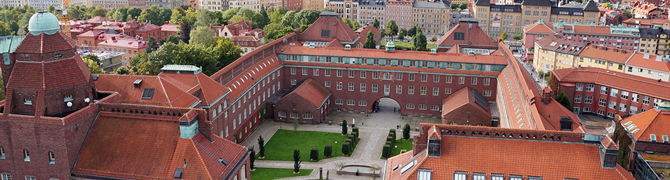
{"x":276,"y":173}
{"x":280,"y":147}
{"x":409,"y":45}
{"x":402,"y":144}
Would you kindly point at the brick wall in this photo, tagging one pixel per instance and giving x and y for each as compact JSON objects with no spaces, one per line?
{"x":467,"y":114}
{"x":295,"y":103}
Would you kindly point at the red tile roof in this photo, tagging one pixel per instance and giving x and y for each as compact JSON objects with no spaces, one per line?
{"x":616,"y":80}
{"x":608,"y":143}
{"x":560,"y":45}
{"x":398,"y":54}
{"x":240,"y":83}
{"x":656,"y":21}
{"x":461,"y":98}
{"x":363,"y":32}
{"x":98,"y":19}
{"x":170,"y":27}
{"x":91,"y":33}
{"x":539,"y":28}
{"x":606,"y":53}
{"x":44,"y":43}
{"x":338,"y":29}
{"x":210,"y":89}
{"x":124,"y":43}
{"x":148,"y":27}
{"x":312,"y":91}
{"x":653,"y":121}
{"x":165,"y":92}
{"x":654,"y":62}
{"x":474,"y":36}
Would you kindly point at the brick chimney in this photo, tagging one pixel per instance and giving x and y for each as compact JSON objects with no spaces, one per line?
{"x":546,"y":95}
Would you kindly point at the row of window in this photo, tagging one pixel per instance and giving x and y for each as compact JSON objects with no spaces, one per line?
{"x":427,"y":174}
{"x":26,"y":155}
{"x":396,"y":62}
{"x":389,"y":76}
{"x":296,"y":115}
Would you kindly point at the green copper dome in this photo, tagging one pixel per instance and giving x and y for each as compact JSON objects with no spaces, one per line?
{"x":43,"y":22}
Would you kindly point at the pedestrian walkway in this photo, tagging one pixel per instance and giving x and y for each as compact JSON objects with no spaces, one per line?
{"x":373,"y":128}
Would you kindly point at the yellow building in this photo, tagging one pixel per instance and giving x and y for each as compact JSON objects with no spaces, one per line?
{"x":553,"y":53}
{"x":432,"y":17}
{"x":654,"y":41}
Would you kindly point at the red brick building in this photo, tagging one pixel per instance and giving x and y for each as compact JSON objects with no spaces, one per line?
{"x":472,"y":152}
{"x":648,"y":135}
{"x":466,"y":33}
{"x":307,"y":102}
{"x":57,"y":122}
{"x":401,"y":11}
{"x":607,"y":93}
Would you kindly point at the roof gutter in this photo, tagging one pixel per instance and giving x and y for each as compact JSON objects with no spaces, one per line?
{"x":237,"y":165}
{"x":196,"y":103}
{"x":324,"y":101}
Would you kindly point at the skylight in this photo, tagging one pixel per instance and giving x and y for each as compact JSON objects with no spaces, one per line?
{"x":148,"y":93}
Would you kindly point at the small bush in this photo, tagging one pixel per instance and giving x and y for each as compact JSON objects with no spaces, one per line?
{"x":355,"y":129}
{"x":405,"y":132}
{"x":344,"y":127}
{"x":390,"y":140}
{"x":392,"y":132}
{"x":386,"y":152}
{"x":353,"y":139}
{"x":355,"y":135}
{"x":345,"y":148}
{"x":314,"y":154}
{"x":328,"y":151}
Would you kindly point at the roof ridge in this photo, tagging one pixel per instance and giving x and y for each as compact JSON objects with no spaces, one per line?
{"x":648,"y":125}
{"x":160,"y":81}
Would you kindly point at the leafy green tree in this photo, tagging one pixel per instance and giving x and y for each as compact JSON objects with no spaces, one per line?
{"x":402,"y":34}
{"x":303,"y":27}
{"x":191,"y":16}
{"x":203,"y":19}
{"x":122,"y":70}
{"x":370,"y":41}
{"x":110,"y":13}
{"x":344,"y":127}
{"x":226,"y":52}
{"x":124,"y":13}
{"x":391,"y":28}
{"x":252,"y":159}
{"x":296,"y":159}
{"x":517,"y":37}
{"x":375,"y":23}
{"x":412,"y":31}
{"x":274,"y":31}
{"x":463,"y":5}
{"x":419,"y":41}
{"x":177,"y":14}
{"x":74,"y":12}
{"x":5,"y":29}
{"x":152,"y":45}
{"x":119,"y":15}
{"x":229,"y":14}
{"x":197,"y":55}
{"x":504,"y":36}
{"x":185,"y":31}
{"x":91,"y":57}
{"x":98,"y":11}
{"x":151,"y":63}
{"x":51,"y":9}
{"x":433,"y":39}
{"x":628,"y":13}
{"x":261,"y":147}
{"x":405,"y":132}
{"x":165,"y":14}
{"x":288,"y":19}
{"x":607,"y":5}
{"x":348,"y":22}
{"x":264,"y":13}
{"x":93,"y":66}
{"x":356,"y":25}
{"x":454,"y":6}
{"x":173,"y":39}
{"x":202,"y":35}
{"x":277,"y":16}
{"x":14,"y":26}
{"x":134,"y":13}
{"x":152,"y":15}
{"x":564,"y":100}
{"x":307,"y":16}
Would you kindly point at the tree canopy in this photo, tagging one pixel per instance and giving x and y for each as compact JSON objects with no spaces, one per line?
{"x":202,"y":35}
{"x":370,"y":41}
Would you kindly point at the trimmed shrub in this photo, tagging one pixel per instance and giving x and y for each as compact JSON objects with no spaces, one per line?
{"x":355,"y":129}
{"x":344,"y":127}
{"x":390,"y":140}
{"x":328,"y":151}
{"x":355,"y":134}
{"x":386,"y":152}
{"x":353,"y":139}
{"x":345,"y":148}
{"x":405,"y":132}
{"x":314,"y":154}
{"x":392,"y":132}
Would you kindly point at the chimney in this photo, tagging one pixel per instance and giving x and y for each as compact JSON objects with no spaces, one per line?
{"x":546,"y":95}
{"x":608,"y":153}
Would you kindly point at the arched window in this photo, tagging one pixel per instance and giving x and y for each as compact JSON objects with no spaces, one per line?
{"x":281,"y":114}
{"x":295,"y":115}
{"x":52,"y":159}
{"x":527,"y":22}
{"x":26,"y":155}
{"x":308,"y":115}
{"x":410,"y":106}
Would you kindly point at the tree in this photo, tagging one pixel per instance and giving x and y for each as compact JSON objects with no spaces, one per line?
{"x":303,"y":27}
{"x":314,"y":154}
{"x":93,"y":66}
{"x":328,"y":151}
{"x":98,"y":11}
{"x":166,"y":15}
{"x":344,"y":127}
{"x":564,"y":100}
{"x":627,"y":13}
{"x":261,"y":147}
{"x":151,"y":15}
{"x":296,"y":124}
{"x":504,"y":36}
{"x":419,"y":41}
{"x":370,"y":41}
{"x":197,"y":55}
{"x":252,"y":159}
{"x":256,"y":18}
{"x":5,"y":29}
{"x":454,"y":6}
{"x":229,"y":14}
{"x":402,"y":34}
{"x":356,"y":25}
{"x":412,"y":31}
{"x":264,"y":13}
{"x":405,"y":132}
{"x":607,"y":5}
{"x":151,"y":45}
{"x":348,"y":23}
{"x":277,"y":16}
{"x":202,"y":35}
{"x":391,"y":28}
{"x":173,"y":39}
{"x":375,"y":23}
{"x":463,"y":5}
{"x":185,"y":31}
{"x":433,"y":39}
{"x":51,"y":9}
{"x":203,"y":19}
{"x":151,"y":63}
{"x":110,"y":13}
{"x":74,"y":12}
{"x":288,"y":19}
{"x":134,"y":12}
{"x":296,"y":159}
{"x":517,"y":37}
{"x":177,"y":15}
{"x":274,"y":31}
{"x":122,"y":70}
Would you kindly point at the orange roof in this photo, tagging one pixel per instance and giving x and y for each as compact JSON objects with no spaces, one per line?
{"x":398,"y":54}
{"x":91,"y":33}
{"x":539,"y":28}
{"x":656,"y":21}
{"x":166,"y":93}
{"x":245,"y":80}
{"x":606,"y":53}
{"x":554,"y":43}
{"x":124,"y":43}
{"x":363,"y":32}
{"x":338,"y":30}
{"x":312,"y":91}
{"x":608,"y":143}
{"x":654,"y":62}
{"x":148,"y":27}
{"x":210,"y":89}
{"x":461,"y":97}
{"x":616,"y":80}
{"x":170,"y":27}
{"x":135,"y":148}
{"x":553,"y":112}
{"x":653,"y":121}
{"x":474,"y":36}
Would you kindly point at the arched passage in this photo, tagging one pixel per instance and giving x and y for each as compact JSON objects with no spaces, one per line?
{"x":385,"y":105}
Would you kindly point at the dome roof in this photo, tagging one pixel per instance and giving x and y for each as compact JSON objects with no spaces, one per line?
{"x":43,"y":22}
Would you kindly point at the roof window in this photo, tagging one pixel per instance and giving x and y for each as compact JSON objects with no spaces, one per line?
{"x":665,"y":138}
{"x":148,"y":93}
{"x":325,"y":33}
{"x":28,"y":102}
{"x":67,"y":98}
{"x":652,"y":137}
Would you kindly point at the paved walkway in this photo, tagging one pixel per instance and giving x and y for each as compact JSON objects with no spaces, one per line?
{"x":373,"y":128}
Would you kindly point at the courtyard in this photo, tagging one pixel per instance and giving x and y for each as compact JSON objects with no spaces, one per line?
{"x":373,"y":127}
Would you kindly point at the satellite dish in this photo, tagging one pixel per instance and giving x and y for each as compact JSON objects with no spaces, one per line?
{"x":69,"y":104}
{"x":87,"y":100}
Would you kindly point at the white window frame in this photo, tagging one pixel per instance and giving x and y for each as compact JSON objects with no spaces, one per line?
{"x":351,"y":102}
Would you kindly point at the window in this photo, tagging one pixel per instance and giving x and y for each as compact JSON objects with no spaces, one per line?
{"x":603,"y":90}
{"x":398,"y":76}
{"x":435,"y":108}
{"x":375,"y":75}
{"x":316,"y":72}
{"x":487,"y":81}
{"x":280,"y":114}
{"x":461,"y":80}
{"x":30,"y":178}
{"x":410,"y":90}
{"x":292,"y":71}
{"x":327,"y":72}
{"x":27,"y":101}
{"x":304,"y":71}
{"x":339,"y":86}
{"x":460,"y":175}
{"x":612,"y":105}
{"x":52,"y":159}
{"x":578,"y":99}
{"x":67,"y":98}
{"x":308,"y":115}
{"x":362,"y":103}
{"x":295,"y":115}
{"x":351,"y":86}
{"x":579,"y":87}
{"x":398,"y":89}
{"x":602,"y":102}
{"x":362,"y":87}
{"x":436,"y":78}
{"x":411,"y":77}
{"x":351,"y":74}
{"x":436,"y":91}
{"x":622,"y":107}
{"x":589,"y":87}
{"x":327,"y":84}
{"x":410,"y":106}
{"x":363,"y":73}
{"x":351,"y":102}
{"x":459,"y":36}
{"x":293,"y":82}
{"x":635,"y":97}
{"x":26,"y":155}
{"x":656,"y":102}
{"x":645,"y":100}
{"x":424,"y":78}
{"x":425,"y":174}
{"x":325,"y":33}
{"x":2,"y":153}
{"x":633,"y":110}
{"x":423,"y":90}
{"x":374,"y":87}
{"x":423,"y":107}
{"x":614,"y":92}
{"x":339,"y":101}
{"x":487,"y":93}
{"x":339,"y":73}
{"x":6,"y":177}
{"x":448,"y":79}
{"x":473,"y":80}
{"x":497,"y":177}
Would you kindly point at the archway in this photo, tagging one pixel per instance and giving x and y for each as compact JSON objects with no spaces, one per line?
{"x":386,"y":105}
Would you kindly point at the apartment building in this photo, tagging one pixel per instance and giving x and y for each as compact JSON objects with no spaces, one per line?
{"x":170,"y":4}
{"x":432,"y":16}
{"x":647,"y":23}
{"x":43,"y":4}
{"x":254,"y":5}
{"x":400,"y":11}
{"x":345,"y":8}
{"x":553,"y":53}
{"x":272,"y":4}
{"x":649,"y":66}
{"x":293,"y":5}
{"x":655,"y":41}
{"x":511,"y":19}
{"x":313,"y":4}
{"x":214,"y":5}
{"x":369,"y":10}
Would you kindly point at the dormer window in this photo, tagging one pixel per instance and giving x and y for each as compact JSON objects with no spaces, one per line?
{"x":665,"y":138}
{"x":26,"y":155}
{"x":652,"y":137}
{"x":28,"y":102}
{"x":58,"y":56}
{"x":67,"y":98}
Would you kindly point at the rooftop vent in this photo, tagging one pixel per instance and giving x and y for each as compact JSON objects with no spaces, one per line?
{"x":433,"y":51}
{"x":137,"y":83}
{"x":347,"y":47}
{"x":95,"y":77}
{"x":390,"y":47}
{"x":471,"y":53}
{"x":223,"y":161}
{"x":659,"y":58}
{"x":312,"y":45}
{"x":178,"y":173}
{"x":645,"y":56}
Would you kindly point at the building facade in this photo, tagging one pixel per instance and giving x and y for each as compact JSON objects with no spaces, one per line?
{"x":345,"y":8}
{"x":369,"y":11}
{"x":313,"y":4}
{"x":649,"y":66}
{"x":293,"y":5}
{"x":254,"y":5}
{"x":433,"y":17}
{"x":214,"y":5}
{"x":170,"y":4}
{"x":401,"y":11}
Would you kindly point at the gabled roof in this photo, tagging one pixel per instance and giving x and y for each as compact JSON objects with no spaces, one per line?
{"x":483,"y":3}
{"x":556,"y":44}
{"x":335,"y":27}
{"x":170,"y":27}
{"x":606,"y":53}
{"x":472,"y":36}
{"x":98,"y":19}
{"x":250,"y":76}
{"x":91,"y":33}
{"x":209,"y":89}
{"x":652,"y":61}
{"x":653,"y":121}
{"x":656,"y":21}
{"x":462,"y":97}
{"x":165,"y":93}
{"x":148,"y":27}
{"x":618,"y":80}
{"x":312,"y":91}
{"x":119,"y":146}
{"x":363,"y":33}
{"x":536,"y":3}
